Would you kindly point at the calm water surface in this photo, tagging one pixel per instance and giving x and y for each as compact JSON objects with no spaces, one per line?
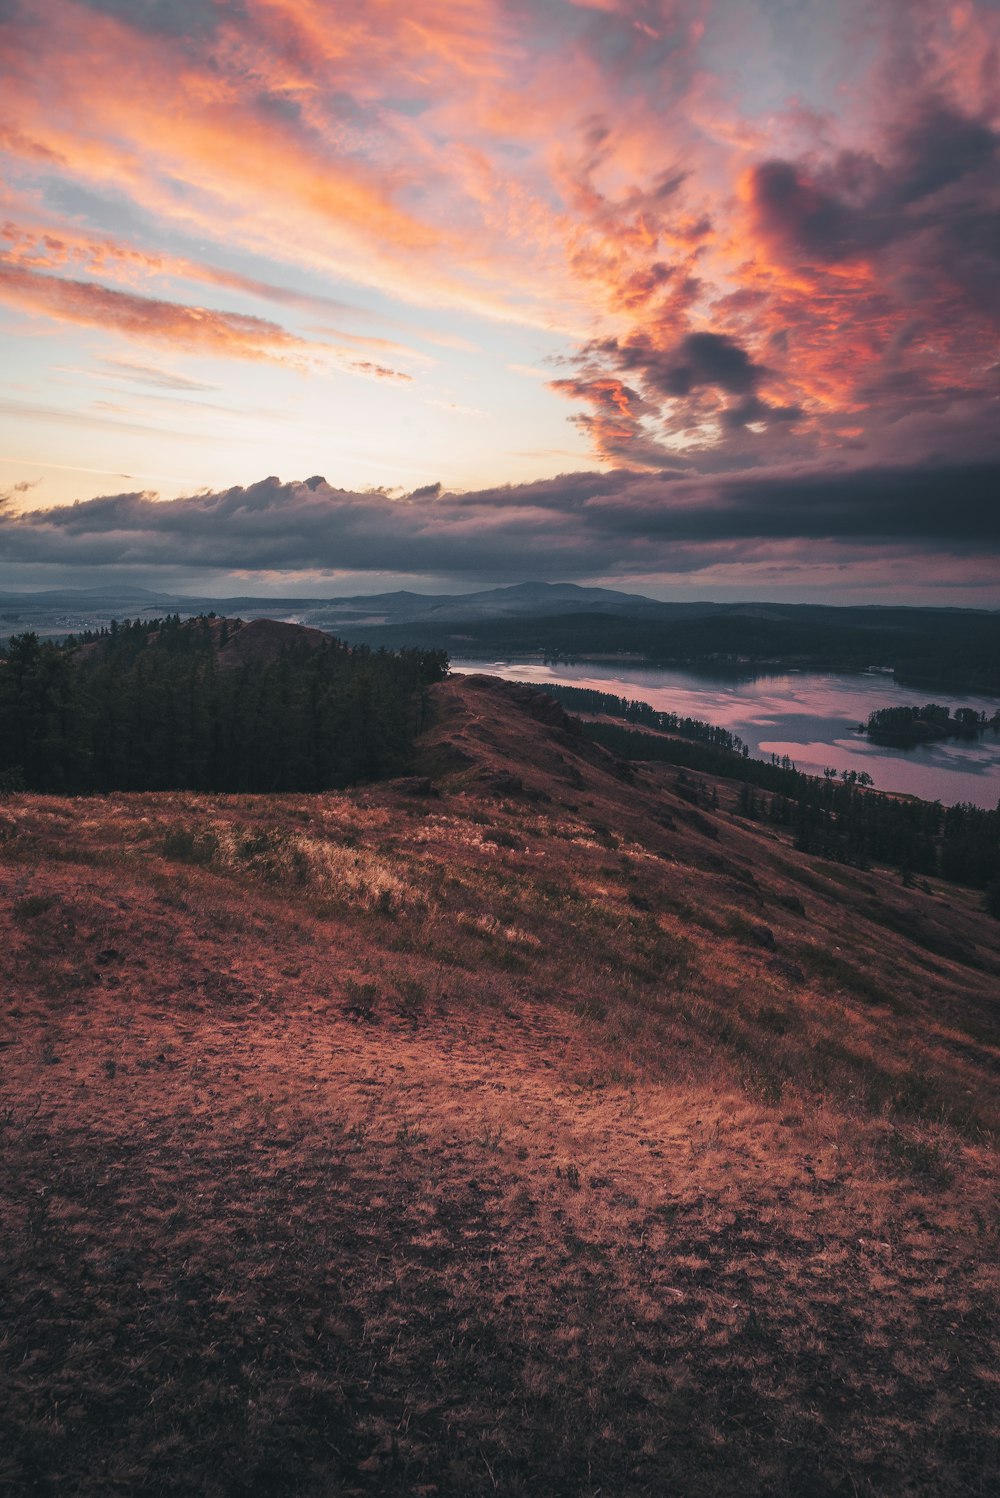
{"x":811,"y":717}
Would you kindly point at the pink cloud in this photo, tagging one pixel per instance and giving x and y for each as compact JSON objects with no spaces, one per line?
{"x":196,"y":329}
{"x":574,"y":167}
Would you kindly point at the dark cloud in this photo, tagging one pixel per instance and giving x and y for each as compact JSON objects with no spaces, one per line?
{"x":698,"y":359}
{"x":605,"y":392}
{"x":667,"y":183}
{"x":894,"y":251}
{"x":856,"y":204}
{"x":705,"y":359}
{"x":801,"y":214}
{"x":582,"y":524}
{"x":8,"y":496}
{"x":752,"y":408}
{"x":938,"y":149}
{"x":184,"y":19}
{"x":954,"y":503}
{"x":614,"y":424}
{"x":677,"y":377}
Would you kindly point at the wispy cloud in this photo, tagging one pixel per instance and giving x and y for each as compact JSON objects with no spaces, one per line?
{"x":196,"y":329}
{"x":149,"y":374}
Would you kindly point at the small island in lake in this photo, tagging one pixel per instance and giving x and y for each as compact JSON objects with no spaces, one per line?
{"x":905,"y":727}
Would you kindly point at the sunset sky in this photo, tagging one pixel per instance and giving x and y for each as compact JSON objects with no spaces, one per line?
{"x":699,"y":299}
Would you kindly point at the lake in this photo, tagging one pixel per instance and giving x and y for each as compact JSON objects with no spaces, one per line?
{"x":810,"y":716}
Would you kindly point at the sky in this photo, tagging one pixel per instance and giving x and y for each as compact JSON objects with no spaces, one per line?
{"x":699,"y":298}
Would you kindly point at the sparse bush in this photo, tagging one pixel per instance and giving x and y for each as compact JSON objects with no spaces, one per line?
{"x":916,"y":1095}
{"x":31,"y":906}
{"x":181,"y":845}
{"x":362,"y":999}
{"x":830,"y":965}
{"x":412,"y":999}
{"x":501,"y":839}
{"x":777,"y":1021}
{"x":763,"y":1082}
{"x":919,"y":1157}
{"x":991,"y":899}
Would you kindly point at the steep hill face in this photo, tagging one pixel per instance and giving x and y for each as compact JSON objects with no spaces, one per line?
{"x":531,"y":1124}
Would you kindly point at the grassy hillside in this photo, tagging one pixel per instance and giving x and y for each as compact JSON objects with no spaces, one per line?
{"x":527,"y":1126}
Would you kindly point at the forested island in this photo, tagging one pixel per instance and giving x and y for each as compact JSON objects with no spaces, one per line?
{"x":906,"y":727}
{"x":207,"y":704}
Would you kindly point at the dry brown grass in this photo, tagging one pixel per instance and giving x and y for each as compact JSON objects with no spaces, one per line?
{"x":391,"y":1144}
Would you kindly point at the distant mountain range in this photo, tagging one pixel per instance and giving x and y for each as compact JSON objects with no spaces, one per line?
{"x":943,"y":649}
{"x":396,"y":607}
{"x":521,"y":600}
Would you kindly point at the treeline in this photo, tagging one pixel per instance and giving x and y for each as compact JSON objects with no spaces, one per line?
{"x":937,"y":649}
{"x":587,"y":700}
{"x":838,"y":817}
{"x":905,"y":727}
{"x":157,"y":705}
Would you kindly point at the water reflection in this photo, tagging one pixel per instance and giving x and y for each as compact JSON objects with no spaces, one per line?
{"x":812,"y":717}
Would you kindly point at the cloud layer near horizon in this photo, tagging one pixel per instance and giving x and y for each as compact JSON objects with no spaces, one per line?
{"x":578,"y":525}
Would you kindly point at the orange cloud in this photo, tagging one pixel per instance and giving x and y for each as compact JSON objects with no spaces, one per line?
{"x":577,"y":167}
{"x":195,"y":329}
{"x":207,"y":147}
{"x":35,"y":248}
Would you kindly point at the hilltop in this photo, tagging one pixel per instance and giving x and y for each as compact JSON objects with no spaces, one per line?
{"x":531,"y":1123}
{"x":233,"y":641}
{"x":209,"y":703}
